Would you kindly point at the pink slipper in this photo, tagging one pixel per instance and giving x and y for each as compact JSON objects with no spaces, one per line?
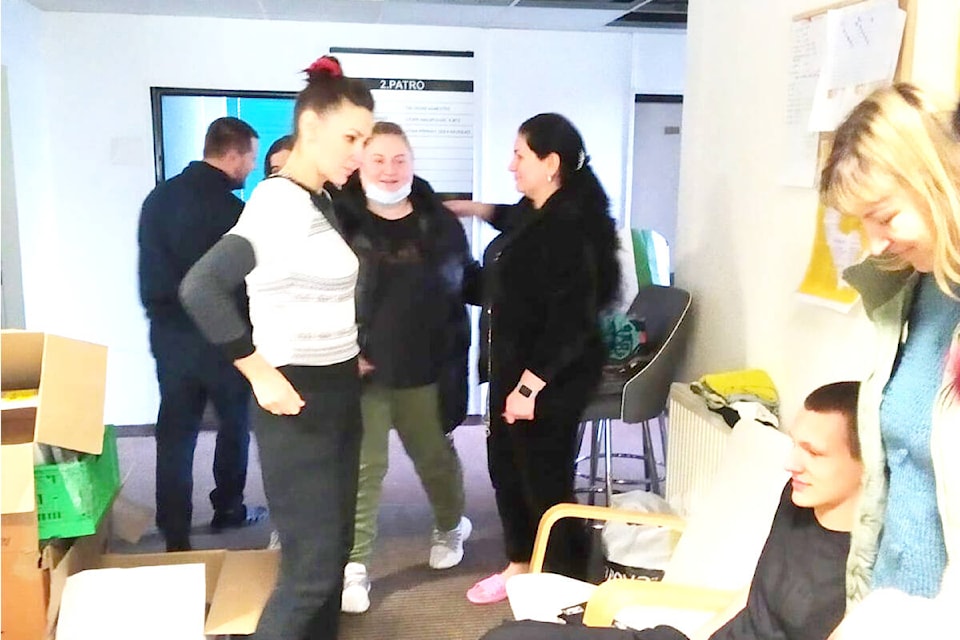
{"x":489,"y":590}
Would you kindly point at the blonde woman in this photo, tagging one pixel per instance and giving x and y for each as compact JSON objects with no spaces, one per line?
{"x":414,"y":335}
{"x":895,"y":164}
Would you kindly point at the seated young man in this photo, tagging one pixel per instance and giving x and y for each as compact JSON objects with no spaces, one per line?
{"x":797,"y":592}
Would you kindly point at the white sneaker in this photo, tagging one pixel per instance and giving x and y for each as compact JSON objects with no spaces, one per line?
{"x":446,"y":547}
{"x":355,"y":597}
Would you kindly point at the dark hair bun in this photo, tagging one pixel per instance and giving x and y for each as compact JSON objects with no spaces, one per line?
{"x":324,"y":66}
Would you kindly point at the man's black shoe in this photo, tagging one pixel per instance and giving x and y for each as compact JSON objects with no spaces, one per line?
{"x":236,"y":518}
{"x":179,"y":544}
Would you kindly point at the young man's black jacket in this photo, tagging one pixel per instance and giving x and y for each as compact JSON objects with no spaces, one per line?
{"x":453,"y":274}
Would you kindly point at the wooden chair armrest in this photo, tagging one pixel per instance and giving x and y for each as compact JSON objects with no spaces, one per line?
{"x":588,"y":512}
{"x":614,"y":595}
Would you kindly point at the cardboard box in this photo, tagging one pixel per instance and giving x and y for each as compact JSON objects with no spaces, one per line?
{"x":24,"y":580}
{"x":236,"y":584}
{"x":70,"y":379}
{"x":33,"y":581}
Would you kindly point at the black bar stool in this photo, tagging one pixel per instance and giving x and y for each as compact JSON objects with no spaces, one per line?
{"x":639,"y":399}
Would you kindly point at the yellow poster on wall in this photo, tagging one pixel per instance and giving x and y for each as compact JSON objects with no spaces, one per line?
{"x":838,"y":244}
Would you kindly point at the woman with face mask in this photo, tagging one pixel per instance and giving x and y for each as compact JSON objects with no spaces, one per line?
{"x":414,"y":335}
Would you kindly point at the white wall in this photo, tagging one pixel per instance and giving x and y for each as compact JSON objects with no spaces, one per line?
{"x":656,"y":168}
{"x":23,"y":58}
{"x":934,"y":65}
{"x":743,"y":241}
{"x":88,"y":93}
{"x":659,"y":61}
{"x":11,"y":289}
{"x":582,"y":76}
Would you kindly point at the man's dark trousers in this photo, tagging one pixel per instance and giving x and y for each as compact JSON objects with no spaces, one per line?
{"x":190,"y":371}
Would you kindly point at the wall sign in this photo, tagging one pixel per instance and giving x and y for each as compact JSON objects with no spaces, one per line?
{"x":429,"y":94}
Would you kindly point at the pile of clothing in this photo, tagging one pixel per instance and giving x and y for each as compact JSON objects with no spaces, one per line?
{"x":743,"y":394}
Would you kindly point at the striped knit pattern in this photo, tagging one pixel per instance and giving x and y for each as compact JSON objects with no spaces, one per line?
{"x":302,"y":289}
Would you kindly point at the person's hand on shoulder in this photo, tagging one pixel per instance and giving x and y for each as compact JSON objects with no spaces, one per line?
{"x":470,"y":209}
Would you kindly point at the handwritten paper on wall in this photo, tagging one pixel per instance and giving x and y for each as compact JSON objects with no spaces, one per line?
{"x":836,"y":58}
{"x":862,"y":46}
{"x":807,"y":49}
{"x":837,"y":245}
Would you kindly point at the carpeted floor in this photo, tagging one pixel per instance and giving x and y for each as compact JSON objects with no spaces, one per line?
{"x":409,"y":600}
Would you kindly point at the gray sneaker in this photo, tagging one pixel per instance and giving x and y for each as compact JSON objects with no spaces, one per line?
{"x":446,"y":547}
{"x":274,"y":540}
{"x":355,"y":597}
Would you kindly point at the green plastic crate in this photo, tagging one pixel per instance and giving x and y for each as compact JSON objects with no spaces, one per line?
{"x":72,"y":497}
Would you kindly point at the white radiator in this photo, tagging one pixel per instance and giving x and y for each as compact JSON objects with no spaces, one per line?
{"x":696,"y":439}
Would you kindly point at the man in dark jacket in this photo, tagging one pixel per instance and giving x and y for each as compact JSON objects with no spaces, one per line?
{"x":179,"y":221}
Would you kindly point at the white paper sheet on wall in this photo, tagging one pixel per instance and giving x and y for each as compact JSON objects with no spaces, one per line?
{"x":862,"y":47}
{"x":807,"y":50}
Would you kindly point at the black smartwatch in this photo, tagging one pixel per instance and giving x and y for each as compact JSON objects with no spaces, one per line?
{"x":525,"y":391}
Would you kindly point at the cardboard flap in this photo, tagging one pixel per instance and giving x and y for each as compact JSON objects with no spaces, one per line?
{"x":20,"y":358}
{"x":246,"y":581}
{"x":17,"y":491}
{"x":211,"y":560}
{"x":83,"y":553}
{"x":24,"y":596}
{"x":18,"y":425}
{"x":20,"y":534}
{"x":69,"y":376}
{"x":73,"y":374}
{"x":130,"y":520}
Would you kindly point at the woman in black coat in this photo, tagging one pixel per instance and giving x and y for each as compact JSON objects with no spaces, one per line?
{"x":414,"y":335}
{"x":546,"y":278}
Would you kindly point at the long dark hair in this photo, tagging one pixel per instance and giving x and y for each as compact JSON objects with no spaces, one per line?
{"x":327,"y":88}
{"x":548,"y":133}
{"x":283,"y":143}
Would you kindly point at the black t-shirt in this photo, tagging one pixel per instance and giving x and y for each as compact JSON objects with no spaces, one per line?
{"x":798,"y":589}
{"x":405,"y":332}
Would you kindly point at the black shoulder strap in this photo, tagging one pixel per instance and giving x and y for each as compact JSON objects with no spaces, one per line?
{"x":322,"y":202}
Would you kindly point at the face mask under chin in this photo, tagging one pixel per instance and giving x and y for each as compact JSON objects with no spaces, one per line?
{"x":387,"y":198}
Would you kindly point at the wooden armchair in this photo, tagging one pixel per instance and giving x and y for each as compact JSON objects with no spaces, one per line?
{"x":712,"y":563}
